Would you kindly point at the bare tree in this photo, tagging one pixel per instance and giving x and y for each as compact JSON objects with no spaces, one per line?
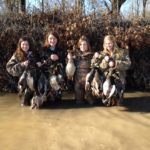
{"x":115,"y":7}
{"x":144,"y":8}
{"x":42,"y":5}
{"x":137,"y":7}
{"x":63,"y":5}
{"x":15,"y":5}
{"x":23,"y":6}
{"x":79,"y":5}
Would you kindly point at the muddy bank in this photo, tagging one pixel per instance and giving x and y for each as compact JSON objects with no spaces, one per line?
{"x":67,"y":126}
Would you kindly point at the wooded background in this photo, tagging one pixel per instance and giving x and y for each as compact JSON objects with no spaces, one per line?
{"x":71,"y":19}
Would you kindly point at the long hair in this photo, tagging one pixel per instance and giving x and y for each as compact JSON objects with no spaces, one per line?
{"x":20,"y":54}
{"x":116,"y":49}
{"x":84,"y":38}
{"x":110,"y":38}
{"x":55,"y":34}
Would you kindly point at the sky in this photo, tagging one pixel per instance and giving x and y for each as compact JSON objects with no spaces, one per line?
{"x":129,"y":6}
{"x":126,"y":8}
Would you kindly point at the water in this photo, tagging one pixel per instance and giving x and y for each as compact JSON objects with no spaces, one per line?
{"x":66,"y":126}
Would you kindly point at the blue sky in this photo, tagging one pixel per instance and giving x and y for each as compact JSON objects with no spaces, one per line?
{"x":131,"y":5}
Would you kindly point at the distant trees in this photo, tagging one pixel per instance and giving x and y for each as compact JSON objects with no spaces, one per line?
{"x":138,"y":7}
{"x":15,"y":5}
{"x":114,"y":10}
{"x":79,"y":5}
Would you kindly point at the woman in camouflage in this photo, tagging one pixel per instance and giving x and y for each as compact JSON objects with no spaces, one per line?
{"x":82,"y":61}
{"x":19,"y":62}
{"x":111,"y":58}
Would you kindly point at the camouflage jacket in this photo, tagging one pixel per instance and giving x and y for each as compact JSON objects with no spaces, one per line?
{"x":120,"y":57}
{"x":83,"y":60}
{"x":14,"y":66}
{"x":82,"y":63}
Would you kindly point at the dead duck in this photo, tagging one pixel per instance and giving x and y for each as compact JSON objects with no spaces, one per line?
{"x":70,"y":68}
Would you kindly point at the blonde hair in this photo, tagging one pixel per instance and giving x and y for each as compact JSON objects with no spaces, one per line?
{"x":115,"y":46}
{"x":110,"y":38}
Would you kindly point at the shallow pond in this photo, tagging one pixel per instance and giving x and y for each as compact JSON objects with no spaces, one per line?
{"x":66,"y":126}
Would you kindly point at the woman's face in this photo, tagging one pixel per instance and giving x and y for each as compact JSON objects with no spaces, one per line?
{"x":109,"y":45}
{"x":25,"y":46}
{"x":52,"y":40}
{"x":83,"y":46}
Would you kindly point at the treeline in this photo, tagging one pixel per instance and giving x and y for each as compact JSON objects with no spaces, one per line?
{"x":136,"y":8}
{"x":131,"y":35}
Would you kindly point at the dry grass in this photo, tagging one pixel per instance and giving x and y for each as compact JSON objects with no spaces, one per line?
{"x":132,"y":35}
